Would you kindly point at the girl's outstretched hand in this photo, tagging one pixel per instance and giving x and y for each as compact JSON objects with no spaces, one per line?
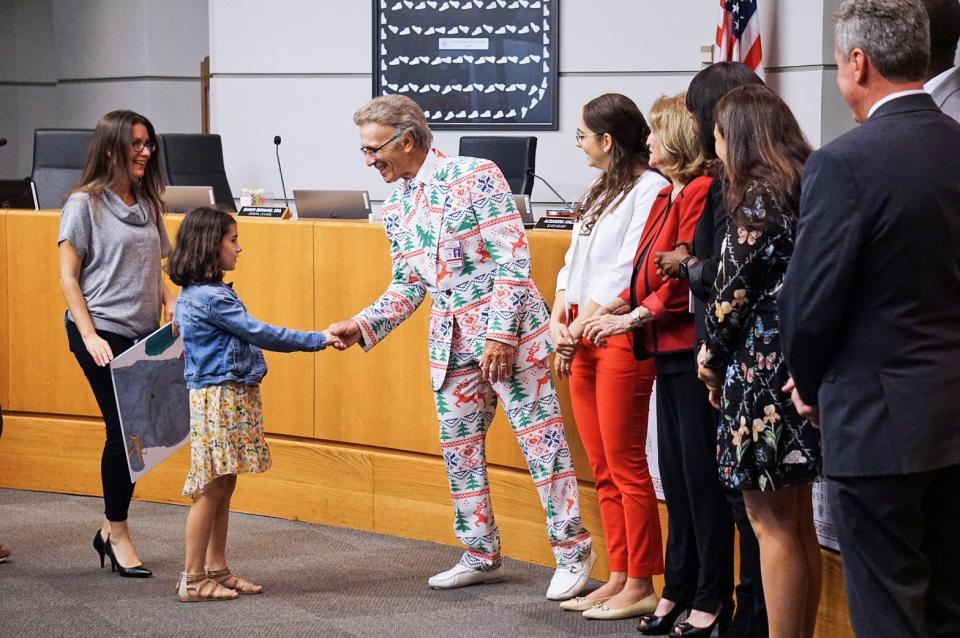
{"x":334,"y":340}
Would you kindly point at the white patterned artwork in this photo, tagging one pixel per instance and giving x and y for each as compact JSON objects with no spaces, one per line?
{"x":470,"y":64}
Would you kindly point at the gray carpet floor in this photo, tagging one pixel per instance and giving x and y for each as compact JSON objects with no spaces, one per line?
{"x":320,"y":581}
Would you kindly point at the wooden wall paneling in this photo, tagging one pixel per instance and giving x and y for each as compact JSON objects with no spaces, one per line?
{"x":383,"y":396}
{"x":47,"y":379}
{"x":52,"y":454}
{"x":274,"y":278}
{"x":5,"y":250}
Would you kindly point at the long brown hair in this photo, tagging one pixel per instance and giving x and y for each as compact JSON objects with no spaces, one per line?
{"x":106,"y":160}
{"x":618,"y":116}
{"x":764,"y":146}
{"x":195,"y":259}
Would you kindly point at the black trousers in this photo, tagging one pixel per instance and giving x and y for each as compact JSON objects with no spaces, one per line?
{"x":750,"y":620}
{"x":117,"y":488}
{"x":699,"y":557}
{"x":900,"y":541}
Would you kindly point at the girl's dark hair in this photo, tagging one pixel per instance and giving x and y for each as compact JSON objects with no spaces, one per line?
{"x":106,"y":160}
{"x":619,"y":116}
{"x":706,"y":89}
{"x":195,"y":259}
{"x":764,"y":146}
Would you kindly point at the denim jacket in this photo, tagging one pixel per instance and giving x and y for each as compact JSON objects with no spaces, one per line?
{"x":222,"y":342}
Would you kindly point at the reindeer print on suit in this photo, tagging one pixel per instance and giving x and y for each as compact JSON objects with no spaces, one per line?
{"x":488,"y":294}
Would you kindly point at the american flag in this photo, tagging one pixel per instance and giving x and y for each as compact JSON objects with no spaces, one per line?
{"x":738,"y":34}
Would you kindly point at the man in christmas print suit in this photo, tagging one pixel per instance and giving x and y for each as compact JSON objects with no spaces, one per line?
{"x":455,"y":233}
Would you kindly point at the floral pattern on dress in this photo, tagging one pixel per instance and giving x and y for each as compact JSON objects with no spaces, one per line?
{"x":762,"y":442}
{"x":226,"y":434}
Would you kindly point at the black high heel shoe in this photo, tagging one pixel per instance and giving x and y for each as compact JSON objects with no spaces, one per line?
{"x":653,"y":625}
{"x":722,"y":621}
{"x":137,"y":571}
{"x":99,"y":545}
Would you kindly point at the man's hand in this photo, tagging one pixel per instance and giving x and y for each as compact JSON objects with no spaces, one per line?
{"x":809,"y":412}
{"x":496,"y":362}
{"x":343,"y":334}
{"x":668,"y":263}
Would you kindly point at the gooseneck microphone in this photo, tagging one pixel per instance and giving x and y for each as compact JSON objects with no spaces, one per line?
{"x":552,"y":190}
{"x":276,"y":143}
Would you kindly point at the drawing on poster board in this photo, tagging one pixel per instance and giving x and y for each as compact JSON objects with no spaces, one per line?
{"x":152,"y":400}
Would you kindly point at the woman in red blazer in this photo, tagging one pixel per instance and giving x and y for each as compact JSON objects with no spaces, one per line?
{"x":656,"y":311}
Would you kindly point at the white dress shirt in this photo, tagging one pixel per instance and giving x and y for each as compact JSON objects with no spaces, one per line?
{"x":598,"y":266}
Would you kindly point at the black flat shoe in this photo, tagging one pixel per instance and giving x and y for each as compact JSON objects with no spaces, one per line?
{"x":137,"y":571}
{"x":98,"y":545}
{"x":653,"y":625}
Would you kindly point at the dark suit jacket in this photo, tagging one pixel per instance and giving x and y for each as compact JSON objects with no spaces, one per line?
{"x":870,"y":308}
{"x":707,"y":242}
{"x":947,"y":95}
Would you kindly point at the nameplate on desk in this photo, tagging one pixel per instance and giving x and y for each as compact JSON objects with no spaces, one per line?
{"x":555,"y":223}
{"x":276,"y":212}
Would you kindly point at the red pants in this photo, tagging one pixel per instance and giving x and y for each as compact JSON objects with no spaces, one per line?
{"x":610,"y":391}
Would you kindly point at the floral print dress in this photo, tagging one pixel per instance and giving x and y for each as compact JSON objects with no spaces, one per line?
{"x":762,"y":442}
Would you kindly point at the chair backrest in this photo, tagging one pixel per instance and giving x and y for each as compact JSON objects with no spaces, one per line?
{"x":196,"y":159}
{"x":58,"y":156}
{"x":515,"y":155}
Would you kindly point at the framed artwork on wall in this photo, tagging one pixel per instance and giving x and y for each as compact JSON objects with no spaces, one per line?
{"x":470,"y":64}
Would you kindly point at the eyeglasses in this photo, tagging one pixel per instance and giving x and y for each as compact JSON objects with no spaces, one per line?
{"x":366,"y":150}
{"x":139,"y":145}
{"x":579,"y":136}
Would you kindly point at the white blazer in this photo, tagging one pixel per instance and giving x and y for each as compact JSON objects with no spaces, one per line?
{"x":598,"y":266}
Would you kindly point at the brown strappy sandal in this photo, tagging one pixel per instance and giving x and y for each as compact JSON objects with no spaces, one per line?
{"x":231,"y":581}
{"x":197,"y":588}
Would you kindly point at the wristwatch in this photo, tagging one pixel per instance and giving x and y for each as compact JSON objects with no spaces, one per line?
{"x":635,"y":316}
{"x":682,"y":271}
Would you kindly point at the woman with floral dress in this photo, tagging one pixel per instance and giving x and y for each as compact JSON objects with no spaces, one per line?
{"x":764,"y":447}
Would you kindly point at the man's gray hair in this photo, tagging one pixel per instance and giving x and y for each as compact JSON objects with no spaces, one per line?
{"x":895,"y":35}
{"x":400,"y":112}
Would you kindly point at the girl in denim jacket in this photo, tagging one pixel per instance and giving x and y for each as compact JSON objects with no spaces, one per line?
{"x":223,"y":366}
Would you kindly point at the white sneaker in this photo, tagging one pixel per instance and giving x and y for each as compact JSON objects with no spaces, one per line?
{"x":570,"y":580}
{"x":463,"y":576}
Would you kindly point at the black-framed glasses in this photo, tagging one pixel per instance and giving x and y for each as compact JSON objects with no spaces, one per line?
{"x":366,"y":150}
{"x":580,"y":135}
{"x":139,"y":145}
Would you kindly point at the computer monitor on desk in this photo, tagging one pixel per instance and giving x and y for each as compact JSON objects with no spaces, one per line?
{"x":18,"y":193}
{"x":525,"y":208}
{"x":183,"y":199}
{"x":332,"y":204}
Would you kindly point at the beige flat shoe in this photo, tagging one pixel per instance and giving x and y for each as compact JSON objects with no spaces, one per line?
{"x":601,"y":612}
{"x":197,"y":588}
{"x":581,"y":603}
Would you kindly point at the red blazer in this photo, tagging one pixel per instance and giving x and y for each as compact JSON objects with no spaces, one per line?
{"x":668,"y":301}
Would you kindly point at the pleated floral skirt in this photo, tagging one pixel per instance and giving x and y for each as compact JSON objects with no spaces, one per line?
{"x":226,"y":434}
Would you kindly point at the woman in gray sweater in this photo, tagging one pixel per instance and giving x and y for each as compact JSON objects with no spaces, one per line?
{"x":111,"y":241}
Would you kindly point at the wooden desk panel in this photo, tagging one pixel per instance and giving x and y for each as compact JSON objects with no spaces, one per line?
{"x":4,"y":327}
{"x":43,"y":375}
{"x":274,"y":278}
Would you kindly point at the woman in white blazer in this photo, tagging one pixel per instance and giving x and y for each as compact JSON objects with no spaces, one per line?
{"x":610,"y":389}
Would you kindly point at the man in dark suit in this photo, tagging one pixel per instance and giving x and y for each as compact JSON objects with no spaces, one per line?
{"x":870,"y":313}
{"x":942,"y":79}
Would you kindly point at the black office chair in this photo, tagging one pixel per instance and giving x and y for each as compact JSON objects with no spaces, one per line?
{"x":58,"y":156}
{"x":516,"y":156}
{"x":196,"y":159}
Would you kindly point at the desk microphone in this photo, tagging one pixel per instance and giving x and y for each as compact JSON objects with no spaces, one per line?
{"x":552,"y":189}
{"x":276,"y":143}
{"x":3,"y":141}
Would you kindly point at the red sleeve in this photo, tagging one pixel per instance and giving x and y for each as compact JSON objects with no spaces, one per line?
{"x":672,"y":296}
